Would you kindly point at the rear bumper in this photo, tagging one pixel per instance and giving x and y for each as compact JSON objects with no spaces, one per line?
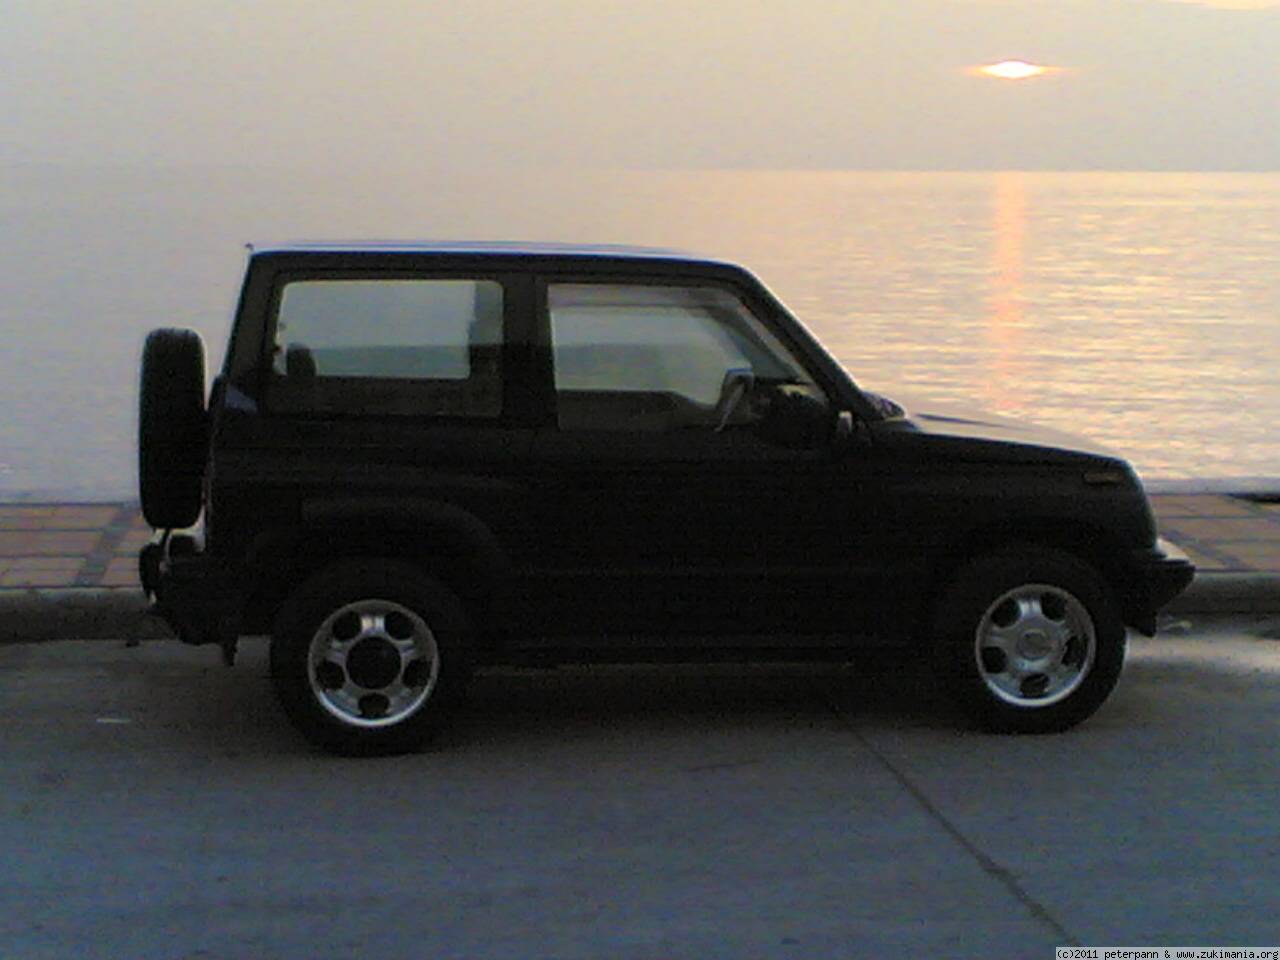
{"x":199,"y":596}
{"x":1157,"y":575}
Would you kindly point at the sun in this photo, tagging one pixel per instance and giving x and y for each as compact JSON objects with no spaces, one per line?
{"x":1012,"y":70}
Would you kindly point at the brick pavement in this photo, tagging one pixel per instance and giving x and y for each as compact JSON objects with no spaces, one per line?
{"x":70,"y":545}
{"x":96,"y":545}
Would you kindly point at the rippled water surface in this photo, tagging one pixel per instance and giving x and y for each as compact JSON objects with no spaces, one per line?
{"x":1141,"y":310}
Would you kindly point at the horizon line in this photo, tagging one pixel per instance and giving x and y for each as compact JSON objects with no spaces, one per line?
{"x":122,"y":163}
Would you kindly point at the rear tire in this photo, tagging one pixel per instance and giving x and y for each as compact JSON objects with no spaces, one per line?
{"x":368,"y":656}
{"x":1029,"y":641}
{"x":172,"y":431}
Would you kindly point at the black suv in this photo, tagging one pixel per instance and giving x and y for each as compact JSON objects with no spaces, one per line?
{"x":420,"y":459}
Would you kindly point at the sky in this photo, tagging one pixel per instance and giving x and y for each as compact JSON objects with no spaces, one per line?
{"x":863,"y":84}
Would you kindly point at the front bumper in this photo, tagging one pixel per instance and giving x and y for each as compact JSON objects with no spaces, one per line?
{"x":1157,"y":575}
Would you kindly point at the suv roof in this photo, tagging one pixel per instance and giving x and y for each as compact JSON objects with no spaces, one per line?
{"x":505,"y":249}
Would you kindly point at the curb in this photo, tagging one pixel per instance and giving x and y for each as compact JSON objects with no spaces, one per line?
{"x":77,"y":613}
{"x":1229,"y":593}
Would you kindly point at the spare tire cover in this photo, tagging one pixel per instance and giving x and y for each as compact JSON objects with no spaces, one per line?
{"x":172,"y":430}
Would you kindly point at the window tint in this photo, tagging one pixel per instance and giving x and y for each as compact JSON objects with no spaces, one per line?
{"x":413,"y":347}
{"x":639,"y":357}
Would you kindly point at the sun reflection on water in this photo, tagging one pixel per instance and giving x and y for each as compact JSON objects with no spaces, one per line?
{"x":1004,"y":330}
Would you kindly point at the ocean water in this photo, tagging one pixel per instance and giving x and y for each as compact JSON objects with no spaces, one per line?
{"x":1139,"y":310}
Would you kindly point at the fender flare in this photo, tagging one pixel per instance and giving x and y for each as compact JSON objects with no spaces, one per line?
{"x":413,"y":529}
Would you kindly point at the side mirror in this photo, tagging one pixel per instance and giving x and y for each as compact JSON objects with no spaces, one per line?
{"x":796,"y":419}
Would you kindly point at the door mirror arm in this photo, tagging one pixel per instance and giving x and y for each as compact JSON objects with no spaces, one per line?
{"x":737,"y":386}
{"x":850,"y":432}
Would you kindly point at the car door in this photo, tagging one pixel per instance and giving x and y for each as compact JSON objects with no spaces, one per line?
{"x":689,"y":489}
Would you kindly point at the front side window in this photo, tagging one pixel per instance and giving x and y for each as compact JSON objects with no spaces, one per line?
{"x":397,"y":346}
{"x":663,"y":358}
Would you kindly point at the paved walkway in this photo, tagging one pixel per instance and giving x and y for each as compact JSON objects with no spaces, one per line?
{"x":71,"y":545}
{"x":1222,"y":534}
{"x":96,"y":545}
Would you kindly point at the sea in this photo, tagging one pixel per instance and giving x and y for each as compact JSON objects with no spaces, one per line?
{"x":1140,"y":310}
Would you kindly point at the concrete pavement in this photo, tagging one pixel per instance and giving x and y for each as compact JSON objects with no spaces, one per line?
{"x":156,"y":805}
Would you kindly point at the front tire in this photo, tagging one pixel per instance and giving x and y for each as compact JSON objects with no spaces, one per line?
{"x":1030,"y":641}
{"x":367,"y":656}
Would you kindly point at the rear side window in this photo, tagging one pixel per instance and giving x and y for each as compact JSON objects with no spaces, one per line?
{"x":389,"y":347}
